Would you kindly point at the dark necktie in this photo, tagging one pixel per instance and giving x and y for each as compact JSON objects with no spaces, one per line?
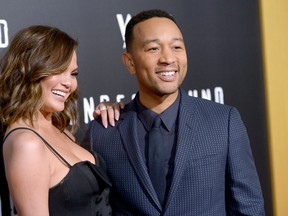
{"x":156,"y":159}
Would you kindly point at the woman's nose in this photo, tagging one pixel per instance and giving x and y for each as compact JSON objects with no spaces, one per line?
{"x":66,"y":80}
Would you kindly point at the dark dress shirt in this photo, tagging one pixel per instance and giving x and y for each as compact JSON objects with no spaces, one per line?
{"x":168,"y":129}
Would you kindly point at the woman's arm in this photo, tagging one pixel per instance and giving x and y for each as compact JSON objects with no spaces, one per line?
{"x":28,"y":173}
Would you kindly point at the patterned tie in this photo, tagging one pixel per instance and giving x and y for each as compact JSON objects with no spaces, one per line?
{"x":156,"y":159}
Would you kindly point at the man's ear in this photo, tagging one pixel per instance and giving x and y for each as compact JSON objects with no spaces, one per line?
{"x":128,"y":62}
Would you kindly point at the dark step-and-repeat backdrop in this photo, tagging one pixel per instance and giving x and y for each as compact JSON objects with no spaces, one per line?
{"x":223,"y":42}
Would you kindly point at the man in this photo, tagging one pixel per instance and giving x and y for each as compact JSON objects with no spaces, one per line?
{"x":207,"y":163}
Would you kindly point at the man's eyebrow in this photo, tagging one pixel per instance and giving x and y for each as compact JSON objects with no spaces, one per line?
{"x":178,"y":39}
{"x":150,"y":41}
{"x":157,"y":40}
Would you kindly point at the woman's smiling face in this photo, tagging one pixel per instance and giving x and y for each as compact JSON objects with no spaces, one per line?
{"x":57,"y":88}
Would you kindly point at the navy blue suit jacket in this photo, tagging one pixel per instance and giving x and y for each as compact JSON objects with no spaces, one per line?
{"x":214,"y":170}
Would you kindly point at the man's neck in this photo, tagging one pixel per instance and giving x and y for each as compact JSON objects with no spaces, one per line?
{"x":158,"y":103}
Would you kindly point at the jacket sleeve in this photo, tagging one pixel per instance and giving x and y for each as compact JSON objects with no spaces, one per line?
{"x":243,"y":190}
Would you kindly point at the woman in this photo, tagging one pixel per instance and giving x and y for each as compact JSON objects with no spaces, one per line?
{"x":48,"y":173}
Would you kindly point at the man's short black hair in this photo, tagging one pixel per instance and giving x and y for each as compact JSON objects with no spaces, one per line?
{"x":140,"y":17}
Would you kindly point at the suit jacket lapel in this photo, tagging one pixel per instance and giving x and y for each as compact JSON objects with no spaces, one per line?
{"x":186,"y":133}
{"x":128,"y":132}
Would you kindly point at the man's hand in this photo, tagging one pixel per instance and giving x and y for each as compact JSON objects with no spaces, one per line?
{"x":108,"y":111}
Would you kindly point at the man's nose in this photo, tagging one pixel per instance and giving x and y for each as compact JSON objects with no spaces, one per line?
{"x":167,"y":56}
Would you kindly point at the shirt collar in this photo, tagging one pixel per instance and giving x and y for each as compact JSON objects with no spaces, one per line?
{"x":168,"y":116}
